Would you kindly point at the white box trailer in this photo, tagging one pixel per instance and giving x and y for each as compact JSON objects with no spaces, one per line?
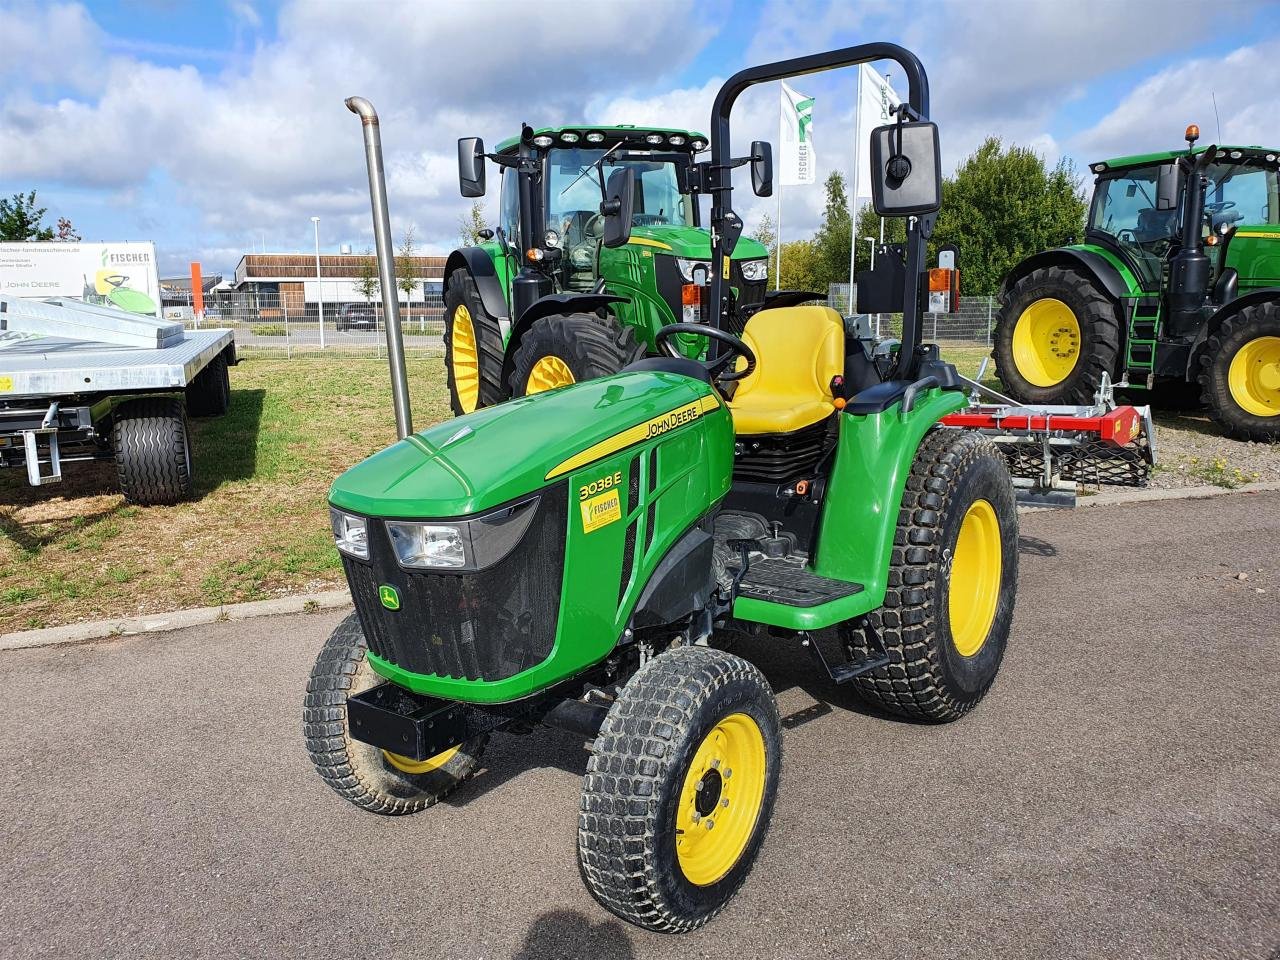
{"x":83,"y":382}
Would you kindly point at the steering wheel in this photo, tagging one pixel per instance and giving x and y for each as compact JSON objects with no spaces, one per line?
{"x":719,"y":369}
{"x":647,"y":220}
{"x":1217,"y":206}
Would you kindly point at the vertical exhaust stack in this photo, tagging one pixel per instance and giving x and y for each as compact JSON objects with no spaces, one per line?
{"x":386,"y":262}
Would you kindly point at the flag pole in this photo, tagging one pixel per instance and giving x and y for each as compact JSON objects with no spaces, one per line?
{"x":853,"y":193}
{"x":777,"y":239}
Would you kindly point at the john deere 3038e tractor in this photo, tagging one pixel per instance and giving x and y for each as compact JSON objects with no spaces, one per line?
{"x":577,"y":556}
{"x":548,"y":298}
{"x":1177,"y":285}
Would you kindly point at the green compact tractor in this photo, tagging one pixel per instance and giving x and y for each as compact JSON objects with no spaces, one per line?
{"x":581,"y":556}
{"x":1176,"y":290}
{"x":548,"y":299}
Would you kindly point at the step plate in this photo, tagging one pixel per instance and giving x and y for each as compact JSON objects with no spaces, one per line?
{"x":778,"y":581}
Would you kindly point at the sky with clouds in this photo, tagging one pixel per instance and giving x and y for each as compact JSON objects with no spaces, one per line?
{"x":213,"y":128}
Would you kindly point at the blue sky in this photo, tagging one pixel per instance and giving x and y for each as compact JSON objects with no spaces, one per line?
{"x":213,"y":128}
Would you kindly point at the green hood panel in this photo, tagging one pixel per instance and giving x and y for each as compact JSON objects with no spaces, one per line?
{"x":471,"y":463}
{"x":692,"y":243}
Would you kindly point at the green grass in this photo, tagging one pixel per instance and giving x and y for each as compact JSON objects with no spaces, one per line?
{"x":270,"y":330}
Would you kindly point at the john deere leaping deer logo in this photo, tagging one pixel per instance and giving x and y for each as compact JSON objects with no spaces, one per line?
{"x":389,"y":596}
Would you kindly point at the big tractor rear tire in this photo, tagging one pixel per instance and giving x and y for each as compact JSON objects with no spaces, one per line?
{"x":1056,"y":334}
{"x":372,"y":779}
{"x":1240,"y":373}
{"x":679,"y":789}
{"x":952,"y":581}
{"x":570,"y":348}
{"x":152,"y":449}
{"x":472,"y":347}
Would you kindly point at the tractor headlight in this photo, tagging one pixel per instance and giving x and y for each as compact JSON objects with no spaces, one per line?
{"x":350,"y":534}
{"x":755,"y":270}
{"x":694,"y":271}
{"x":472,"y":544}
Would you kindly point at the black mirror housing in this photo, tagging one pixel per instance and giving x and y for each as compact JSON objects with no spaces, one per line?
{"x":1168,"y":187}
{"x":618,"y":205}
{"x":762,"y":168}
{"x":471,"y":166}
{"x":906,"y":169}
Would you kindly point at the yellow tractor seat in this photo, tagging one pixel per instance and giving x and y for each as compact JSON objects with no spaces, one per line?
{"x":798,"y":350}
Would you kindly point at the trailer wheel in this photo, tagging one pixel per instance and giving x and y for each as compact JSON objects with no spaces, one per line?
{"x":1240,"y":373}
{"x":472,"y":347}
{"x":569,"y":348}
{"x":679,"y":789}
{"x":209,"y":394}
{"x":952,"y":582}
{"x":152,"y":450}
{"x":370,"y":778}
{"x":1055,"y":336}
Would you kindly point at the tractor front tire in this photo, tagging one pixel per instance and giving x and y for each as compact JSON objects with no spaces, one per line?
{"x":472,"y":347}
{"x":152,"y":450}
{"x":569,"y":348}
{"x":1240,"y":373}
{"x":362,"y":774}
{"x":1055,"y":336}
{"x":952,"y":581}
{"x":209,"y":394}
{"x":679,"y":789}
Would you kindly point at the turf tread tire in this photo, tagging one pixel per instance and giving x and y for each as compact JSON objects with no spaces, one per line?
{"x":152,"y":449}
{"x":355,"y":771}
{"x":589,"y":346}
{"x":921,"y":680}
{"x":1255,"y":320}
{"x":1100,"y":335}
{"x":209,"y":394}
{"x":639,"y":758}
{"x":462,"y":291}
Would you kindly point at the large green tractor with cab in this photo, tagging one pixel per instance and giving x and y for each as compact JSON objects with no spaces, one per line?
{"x":583,"y":556}
{"x":547,"y":298}
{"x":1175,"y":291}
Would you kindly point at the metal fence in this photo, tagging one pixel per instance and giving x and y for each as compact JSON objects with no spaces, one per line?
{"x":971,"y":325}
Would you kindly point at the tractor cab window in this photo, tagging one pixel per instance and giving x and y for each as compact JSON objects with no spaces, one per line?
{"x":1240,"y":193}
{"x":1124,"y":208}
{"x":509,"y":212}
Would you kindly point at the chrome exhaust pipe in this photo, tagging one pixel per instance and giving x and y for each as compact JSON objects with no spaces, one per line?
{"x":386,"y":262}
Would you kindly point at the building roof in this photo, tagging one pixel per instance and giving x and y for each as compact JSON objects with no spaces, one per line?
{"x":334,"y":266}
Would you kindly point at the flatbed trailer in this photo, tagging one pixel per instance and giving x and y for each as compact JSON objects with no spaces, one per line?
{"x":80,"y":382}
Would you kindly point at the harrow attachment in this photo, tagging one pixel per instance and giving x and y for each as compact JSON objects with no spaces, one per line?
{"x":1054,"y":449}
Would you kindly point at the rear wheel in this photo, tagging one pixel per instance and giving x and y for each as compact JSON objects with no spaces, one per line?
{"x":1055,"y":336}
{"x":209,"y":394}
{"x":373,"y":779}
{"x":152,"y":450}
{"x":1240,"y":373}
{"x":679,"y":789}
{"x":952,"y":582}
{"x":570,"y":348}
{"x":472,"y":347}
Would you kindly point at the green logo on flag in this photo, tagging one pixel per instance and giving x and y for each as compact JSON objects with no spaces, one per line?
{"x":804,"y":117}
{"x":389,"y":596}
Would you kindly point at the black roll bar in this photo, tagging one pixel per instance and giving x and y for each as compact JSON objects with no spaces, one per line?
{"x":726,"y":226}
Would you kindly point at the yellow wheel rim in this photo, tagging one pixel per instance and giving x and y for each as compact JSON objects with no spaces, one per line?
{"x":976,"y":566}
{"x":1254,"y":377}
{"x":466,"y":359}
{"x":547,"y":374}
{"x":720,"y":800}
{"x":1046,"y":342}
{"x":407,"y":765}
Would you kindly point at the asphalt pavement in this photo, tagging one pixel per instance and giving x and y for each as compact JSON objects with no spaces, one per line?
{"x":1116,"y":795}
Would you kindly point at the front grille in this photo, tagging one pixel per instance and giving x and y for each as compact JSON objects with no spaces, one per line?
{"x":487,"y":625}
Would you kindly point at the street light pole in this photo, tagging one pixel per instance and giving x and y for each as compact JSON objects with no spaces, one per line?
{"x":315,"y":222}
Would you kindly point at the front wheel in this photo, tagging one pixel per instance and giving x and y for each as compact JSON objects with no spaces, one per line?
{"x":569,"y":348}
{"x":679,"y":789}
{"x":372,"y":779}
{"x":953,"y":577}
{"x":1240,"y":373}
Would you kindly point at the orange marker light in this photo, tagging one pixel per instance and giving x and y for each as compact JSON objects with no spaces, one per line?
{"x":1193,"y":132}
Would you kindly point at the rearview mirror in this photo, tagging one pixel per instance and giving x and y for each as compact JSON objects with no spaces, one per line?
{"x":1167,"y":187}
{"x":906,"y":169}
{"x":471,"y":166}
{"x":619,"y":202}
{"x":762,"y":168}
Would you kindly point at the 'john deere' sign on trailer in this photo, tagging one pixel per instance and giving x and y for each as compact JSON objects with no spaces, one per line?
{"x":121,"y":275}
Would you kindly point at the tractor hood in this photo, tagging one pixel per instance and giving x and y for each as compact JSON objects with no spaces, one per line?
{"x":494,"y":455}
{"x":692,"y":243}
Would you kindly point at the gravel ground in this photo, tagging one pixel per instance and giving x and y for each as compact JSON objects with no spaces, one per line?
{"x":1192,"y":452}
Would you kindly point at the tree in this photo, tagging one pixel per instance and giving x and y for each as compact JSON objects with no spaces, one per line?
{"x":469,"y":227}
{"x":766,"y":234}
{"x":21,"y":219}
{"x":367,"y":284}
{"x":1003,"y":205}
{"x":895,"y":231}
{"x":834,"y":235}
{"x":407,"y":272}
{"x":801,"y":269}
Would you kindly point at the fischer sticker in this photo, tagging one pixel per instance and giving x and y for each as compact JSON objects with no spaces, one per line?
{"x":600,"y":511}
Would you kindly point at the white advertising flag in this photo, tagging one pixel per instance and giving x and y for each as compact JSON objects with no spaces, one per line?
{"x":797,"y":162}
{"x":875,"y":99}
